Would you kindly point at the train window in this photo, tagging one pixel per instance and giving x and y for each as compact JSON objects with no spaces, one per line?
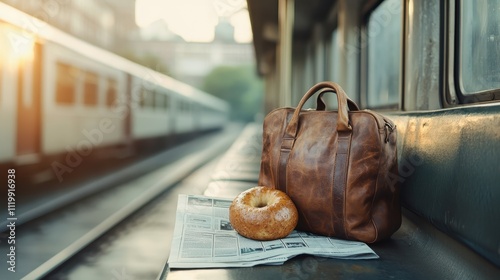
{"x":167,"y":102}
{"x":184,"y":106}
{"x":479,"y":46}
{"x":160,"y":100}
{"x":384,"y":59}
{"x":181,"y":105}
{"x":65,"y":83}
{"x":142,"y":98}
{"x":111,"y":93}
{"x":147,"y":98}
{"x":90,"y":89}
{"x":1,"y":82}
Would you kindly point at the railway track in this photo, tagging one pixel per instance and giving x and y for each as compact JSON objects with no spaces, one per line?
{"x":138,"y":247}
{"x":54,"y":234}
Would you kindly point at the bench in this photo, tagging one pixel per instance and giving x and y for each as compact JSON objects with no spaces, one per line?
{"x":434,"y":241}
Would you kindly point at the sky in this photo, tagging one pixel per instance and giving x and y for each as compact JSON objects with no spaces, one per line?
{"x":195,"y":20}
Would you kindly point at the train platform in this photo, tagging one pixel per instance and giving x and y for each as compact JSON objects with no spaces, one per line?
{"x":117,"y":226}
{"x":416,"y":251}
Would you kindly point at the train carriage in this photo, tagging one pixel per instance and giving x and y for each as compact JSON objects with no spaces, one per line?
{"x":60,"y":95}
{"x":433,"y":67}
{"x":78,"y":94}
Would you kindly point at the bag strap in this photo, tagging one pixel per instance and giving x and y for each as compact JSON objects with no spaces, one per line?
{"x":340,"y":182}
{"x":343,"y":117}
{"x":344,"y":131}
{"x":321,"y":104}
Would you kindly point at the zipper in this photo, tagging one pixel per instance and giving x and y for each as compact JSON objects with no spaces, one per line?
{"x":389,"y":128}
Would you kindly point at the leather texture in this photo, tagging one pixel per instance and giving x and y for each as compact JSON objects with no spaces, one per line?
{"x":338,"y":167}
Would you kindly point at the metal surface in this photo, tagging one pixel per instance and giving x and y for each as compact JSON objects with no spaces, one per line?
{"x":421,"y":55}
{"x":416,"y":251}
{"x":448,"y":167}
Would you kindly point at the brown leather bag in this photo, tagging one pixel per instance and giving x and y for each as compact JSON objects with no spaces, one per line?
{"x":337,"y":167}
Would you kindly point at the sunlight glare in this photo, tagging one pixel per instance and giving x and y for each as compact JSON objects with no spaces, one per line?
{"x":194,"y":20}
{"x":147,"y":12}
{"x":242,"y":27}
{"x":15,"y":46}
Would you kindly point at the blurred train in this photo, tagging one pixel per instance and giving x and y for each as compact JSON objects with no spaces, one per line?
{"x":433,"y":67}
{"x":62,"y":98}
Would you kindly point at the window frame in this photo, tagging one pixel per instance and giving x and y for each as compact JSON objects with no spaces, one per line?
{"x":147,"y":99}
{"x":70,"y":75}
{"x":456,"y":95}
{"x":2,"y":72}
{"x":90,"y":89}
{"x":111,"y":92}
{"x":161,"y":100}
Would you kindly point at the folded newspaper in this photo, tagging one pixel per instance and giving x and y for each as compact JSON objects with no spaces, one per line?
{"x":203,"y":237}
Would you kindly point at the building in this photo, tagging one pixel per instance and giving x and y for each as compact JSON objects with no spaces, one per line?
{"x":187,"y":61}
{"x":105,"y":23}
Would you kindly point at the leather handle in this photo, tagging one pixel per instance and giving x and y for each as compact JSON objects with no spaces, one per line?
{"x":321,"y":104}
{"x":343,"y":117}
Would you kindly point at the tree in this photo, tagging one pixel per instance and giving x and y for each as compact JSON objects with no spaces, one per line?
{"x":238,"y":85}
